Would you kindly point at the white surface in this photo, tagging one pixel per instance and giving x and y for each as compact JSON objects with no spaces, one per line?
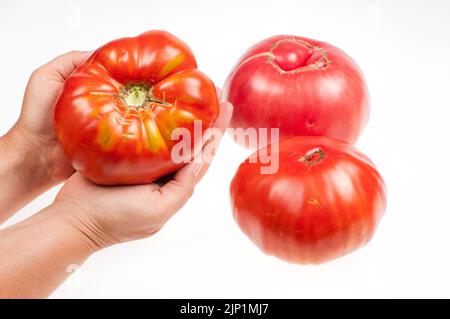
{"x":403,"y":48}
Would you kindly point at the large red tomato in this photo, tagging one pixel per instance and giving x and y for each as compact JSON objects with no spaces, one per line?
{"x":301,"y":86}
{"x":117,"y":111}
{"x":325,"y":200}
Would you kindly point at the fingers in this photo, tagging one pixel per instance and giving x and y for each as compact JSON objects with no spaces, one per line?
{"x":224,"y":118}
{"x":64,"y":64}
{"x":213,"y":140}
{"x":176,"y":192}
{"x":218,"y":93}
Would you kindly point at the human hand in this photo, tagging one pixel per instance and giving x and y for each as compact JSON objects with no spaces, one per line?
{"x":109,"y":215}
{"x":32,"y":160}
{"x":33,"y":134}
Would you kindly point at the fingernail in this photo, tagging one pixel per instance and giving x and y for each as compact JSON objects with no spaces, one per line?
{"x":197,"y":165}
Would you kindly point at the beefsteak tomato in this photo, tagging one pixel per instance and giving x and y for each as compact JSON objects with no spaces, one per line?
{"x":117,"y":111}
{"x":325,"y":200}
{"x":301,"y":86}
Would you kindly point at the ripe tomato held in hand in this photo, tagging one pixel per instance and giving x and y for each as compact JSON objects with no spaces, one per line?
{"x":301,"y":86}
{"x":117,"y":111}
{"x":325,"y":200}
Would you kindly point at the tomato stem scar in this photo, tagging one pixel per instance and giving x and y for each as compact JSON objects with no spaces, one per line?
{"x":139,"y":96}
{"x":306,"y":65}
{"x":313,"y":157}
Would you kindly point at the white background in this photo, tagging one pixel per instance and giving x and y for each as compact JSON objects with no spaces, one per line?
{"x":403,"y":48}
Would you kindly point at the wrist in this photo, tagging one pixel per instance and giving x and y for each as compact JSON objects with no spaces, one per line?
{"x":11,"y":159}
{"x":81,"y":224}
{"x":24,"y":159}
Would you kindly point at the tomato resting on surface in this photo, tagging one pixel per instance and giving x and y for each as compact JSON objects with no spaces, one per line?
{"x":117,"y":111}
{"x":301,"y":86}
{"x":324,"y":201}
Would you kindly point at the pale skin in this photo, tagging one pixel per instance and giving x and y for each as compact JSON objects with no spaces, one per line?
{"x":35,"y":254}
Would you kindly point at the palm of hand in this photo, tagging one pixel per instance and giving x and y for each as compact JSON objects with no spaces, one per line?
{"x":104,"y":207}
